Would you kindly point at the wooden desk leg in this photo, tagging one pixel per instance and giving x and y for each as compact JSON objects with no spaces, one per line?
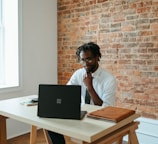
{"x":48,"y":140}
{"x":3,"y":131}
{"x":33,"y":134}
{"x":120,"y":141}
{"x":132,"y":137}
{"x":117,"y":136}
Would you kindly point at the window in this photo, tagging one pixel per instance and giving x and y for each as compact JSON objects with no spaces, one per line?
{"x":9,"y":43}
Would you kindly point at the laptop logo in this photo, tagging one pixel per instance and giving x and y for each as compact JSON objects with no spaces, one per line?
{"x":58,"y":100}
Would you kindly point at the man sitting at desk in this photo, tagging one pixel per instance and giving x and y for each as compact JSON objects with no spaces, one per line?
{"x":98,"y":85}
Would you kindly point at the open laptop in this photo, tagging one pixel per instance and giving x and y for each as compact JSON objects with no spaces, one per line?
{"x":60,"y":101}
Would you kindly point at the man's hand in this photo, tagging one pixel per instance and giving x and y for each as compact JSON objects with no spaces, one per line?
{"x":88,"y":80}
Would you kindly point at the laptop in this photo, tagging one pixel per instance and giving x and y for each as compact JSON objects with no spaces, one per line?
{"x":60,"y":101}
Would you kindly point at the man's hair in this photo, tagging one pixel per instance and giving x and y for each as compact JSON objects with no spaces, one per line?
{"x":91,"y":46}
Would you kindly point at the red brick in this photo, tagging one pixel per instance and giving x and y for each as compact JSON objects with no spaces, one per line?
{"x":127,"y":34}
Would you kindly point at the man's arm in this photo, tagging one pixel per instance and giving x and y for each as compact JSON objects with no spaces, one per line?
{"x":107,"y":96}
{"x":94,"y":96}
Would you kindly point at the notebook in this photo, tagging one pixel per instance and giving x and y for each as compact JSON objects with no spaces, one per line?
{"x":111,"y":113}
{"x":29,"y":101}
{"x":60,"y":101}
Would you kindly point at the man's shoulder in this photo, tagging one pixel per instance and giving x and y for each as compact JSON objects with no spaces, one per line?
{"x":80,"y":70}
{"x":107,"y":74}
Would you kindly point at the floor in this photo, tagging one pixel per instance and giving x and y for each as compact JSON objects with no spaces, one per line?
{"x":24,"y":139}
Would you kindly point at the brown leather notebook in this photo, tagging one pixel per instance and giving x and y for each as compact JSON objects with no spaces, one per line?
{"x":115,"y":114}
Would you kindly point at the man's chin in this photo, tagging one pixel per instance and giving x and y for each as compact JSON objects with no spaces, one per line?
{"x":87,"y":70}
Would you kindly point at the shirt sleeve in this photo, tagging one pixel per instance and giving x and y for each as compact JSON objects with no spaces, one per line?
{"x":73,"y":79}
{"x":109,"y":93}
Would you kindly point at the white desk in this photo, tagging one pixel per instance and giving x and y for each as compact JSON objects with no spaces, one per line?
{"x":87,"y":130}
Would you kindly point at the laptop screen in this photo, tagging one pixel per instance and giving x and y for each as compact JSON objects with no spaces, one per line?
{"x":59,"y":101}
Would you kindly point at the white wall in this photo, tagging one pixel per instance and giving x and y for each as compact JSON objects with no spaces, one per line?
{"x":147,"y":131}
{"x":39,"y":53}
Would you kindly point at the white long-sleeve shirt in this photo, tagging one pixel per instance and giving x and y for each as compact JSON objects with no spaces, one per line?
{"x":104,"y":84}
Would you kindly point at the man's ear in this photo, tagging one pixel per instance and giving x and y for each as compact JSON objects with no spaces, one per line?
{"x":98,"y":58}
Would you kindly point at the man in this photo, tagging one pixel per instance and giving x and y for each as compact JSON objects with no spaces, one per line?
{"x":98,"y":84}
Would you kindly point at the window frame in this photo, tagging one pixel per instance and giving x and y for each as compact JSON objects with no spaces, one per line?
{"x":19,"y":87}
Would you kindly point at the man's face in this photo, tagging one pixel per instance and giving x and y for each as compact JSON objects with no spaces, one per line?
{"x":90,"y":63}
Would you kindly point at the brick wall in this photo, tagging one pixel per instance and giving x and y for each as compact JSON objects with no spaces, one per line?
{"x":127,"y":32}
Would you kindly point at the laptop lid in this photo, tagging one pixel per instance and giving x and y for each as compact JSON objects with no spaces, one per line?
{"x":59,"y":101}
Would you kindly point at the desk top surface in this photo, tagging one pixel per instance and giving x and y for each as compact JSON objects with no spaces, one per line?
{"x":87,"y":129}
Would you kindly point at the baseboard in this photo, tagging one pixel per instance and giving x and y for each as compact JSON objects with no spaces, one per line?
{"x":147,"y":131}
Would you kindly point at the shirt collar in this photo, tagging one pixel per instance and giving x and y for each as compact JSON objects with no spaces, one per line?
{"x":97,"y":72}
